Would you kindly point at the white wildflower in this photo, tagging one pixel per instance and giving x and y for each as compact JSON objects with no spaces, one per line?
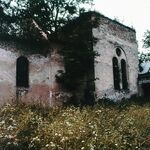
{"x":70,"y":132}
{"x":2,"y":122}
{"x":52,"y":144}
{"x":92,"y":147}
{"x":36,"y":139}
{"x":92,"y":126}
{"x":10,"y":136}
{"x":47,"y":145}
{"x":8,"y":143}
{"x":62,"y":140}
{"x":68,"y":124}
{"x":56,"y":134}
{"x":10,"y":128}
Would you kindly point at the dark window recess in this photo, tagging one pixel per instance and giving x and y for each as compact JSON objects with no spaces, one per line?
{"x":116,"y":74}
{"x":146,"y":89}
{"x":22,"y":72}
{"x":118,"y":52}
{"x":124,"y":75}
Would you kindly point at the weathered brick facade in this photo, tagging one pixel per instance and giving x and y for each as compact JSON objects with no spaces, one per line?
{"x":42,"y":70}
{"x":112,"y":35}
{"x":44,"y":89}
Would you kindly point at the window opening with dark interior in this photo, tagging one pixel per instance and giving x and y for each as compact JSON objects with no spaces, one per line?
{"x":22,"y":72}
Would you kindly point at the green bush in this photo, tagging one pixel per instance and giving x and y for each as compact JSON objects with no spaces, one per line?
{"x":101,"y":127}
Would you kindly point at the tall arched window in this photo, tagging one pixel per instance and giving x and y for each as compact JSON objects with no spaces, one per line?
{"x":116,"y":74}
{"x":124,"y":75}
{"x":120,"y":70}
{"x":22,"y":72}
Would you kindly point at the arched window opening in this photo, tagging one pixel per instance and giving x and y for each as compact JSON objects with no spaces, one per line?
{"x":22,"y":72}
{"x":124,"y":75}
{"x":116,"y":74}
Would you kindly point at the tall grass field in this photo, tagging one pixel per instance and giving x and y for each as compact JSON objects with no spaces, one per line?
{"x":104,"y":126}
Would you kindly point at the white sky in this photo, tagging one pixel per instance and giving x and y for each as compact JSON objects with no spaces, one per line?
{"x":134,"y":13}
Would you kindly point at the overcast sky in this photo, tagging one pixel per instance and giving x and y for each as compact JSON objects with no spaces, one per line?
{"x":134,"y":13}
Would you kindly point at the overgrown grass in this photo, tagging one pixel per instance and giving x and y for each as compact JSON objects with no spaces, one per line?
{"x":105,"y":126}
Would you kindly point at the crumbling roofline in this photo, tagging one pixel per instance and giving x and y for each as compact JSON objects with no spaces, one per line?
{"x":118,"y":23}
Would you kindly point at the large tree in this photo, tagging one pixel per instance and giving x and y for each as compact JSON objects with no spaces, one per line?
{"x":16,"y":17}
{"x":48,"y":16}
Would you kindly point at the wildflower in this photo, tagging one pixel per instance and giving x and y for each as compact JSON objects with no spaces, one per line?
{"x":98,"y":111}
{"x":92,"y":126}
{"x":36,"y":139}
{"x":15,"y":143}
{"x":62,"y":140}
{"x":70,"y":132}
{"x":47,"y":145}
{"x":2,"y":122}
{"x":92,"y":147}
{"x":10,"y":128}
{"x":56,"y":134}
{"x":82,"y":147}
{"x":10,"y":136}
{"x":68,"y":124}
{"x":11,"y":119}
{"x":52,"y":144}
{"x":8,"y":143}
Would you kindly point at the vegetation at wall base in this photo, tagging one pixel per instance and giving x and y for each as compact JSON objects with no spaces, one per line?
{"x":103,"y":126}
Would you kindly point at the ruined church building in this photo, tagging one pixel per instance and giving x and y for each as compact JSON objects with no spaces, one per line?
{"x":31,"y":78}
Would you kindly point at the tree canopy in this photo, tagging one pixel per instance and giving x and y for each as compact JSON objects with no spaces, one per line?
{"x":17,"y":17}
{"x":23,"y":18}
{"x":147,"y":39}
{"x":146,"y":44}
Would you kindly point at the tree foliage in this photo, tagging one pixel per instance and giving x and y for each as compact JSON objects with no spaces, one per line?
{"x":146,"y":44}
{"x":143,"y":57}
{"x":58,"y":18}
{"x":147,"y":39}
{"x":16,"y":17}
{"x":78,"y":51}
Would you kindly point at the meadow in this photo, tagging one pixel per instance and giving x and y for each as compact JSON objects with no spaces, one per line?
{"x":104,"y":126}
